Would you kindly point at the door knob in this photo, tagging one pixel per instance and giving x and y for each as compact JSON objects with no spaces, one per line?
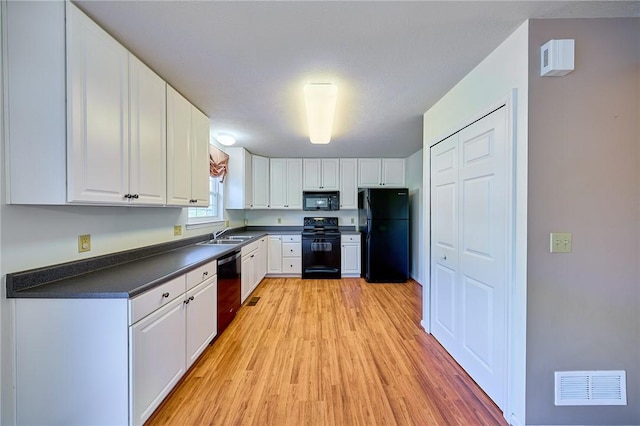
{"x":444,"y":257}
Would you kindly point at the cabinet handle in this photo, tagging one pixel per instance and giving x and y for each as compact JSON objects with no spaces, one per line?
{"x":191,"y":298}
{"x":186,"y":302}
{"x":165,"y":294}
{"x":252,"y":255}
{"x":135,"y":196}
{"x":127,"y":195}
{"x":205,"y":273}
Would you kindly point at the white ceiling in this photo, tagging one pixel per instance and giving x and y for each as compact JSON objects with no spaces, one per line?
{"x":245,"y":63}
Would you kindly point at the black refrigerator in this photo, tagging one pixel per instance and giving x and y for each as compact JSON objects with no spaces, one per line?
{"x":384,"y":223}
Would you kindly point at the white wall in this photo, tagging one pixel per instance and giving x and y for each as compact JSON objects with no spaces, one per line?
{"x":506,"y":68}
{"x":294,"y":218}
{"x":413,"y":167}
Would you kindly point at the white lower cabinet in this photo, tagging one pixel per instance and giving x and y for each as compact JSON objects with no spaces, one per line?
{"x":285,"y":255}
{"x":157,"y":358}
{"x":201,"y":318}
{"x":351,"y":255}
{"x":132,"y":352}
{"x":165,"y":343}
{"x":274,"y":254}
{"x":252,"y":267}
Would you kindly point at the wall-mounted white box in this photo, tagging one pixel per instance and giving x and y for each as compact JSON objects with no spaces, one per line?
{"x":557,"y":58}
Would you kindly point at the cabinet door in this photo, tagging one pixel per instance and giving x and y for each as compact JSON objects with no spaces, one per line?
{"x":261,"y":262}
{"x":369,"y":173}
{"x":246,"y":278}
{"x":330,"y":174}
{"x":350,"y":259}
{"x":98,"y":113}
{"x":199,"y":158}
{"x":348,"y":183}
{"x":248,"y":181}
{"x":274,"y":257}
{"x":178,"y":149}
{"x":201,"y":317}
{"x":148,"y":130}
{"x":158,"y":357}
{"x":393,"y":172}
{"x":278,"y":183}
{"x":260,"y":168}
{"x":312,"y":174}
{"x":294,"y":184}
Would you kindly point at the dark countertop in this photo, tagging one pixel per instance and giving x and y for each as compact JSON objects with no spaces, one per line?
{"x":119,"y":279}
{"x":127,"y":274}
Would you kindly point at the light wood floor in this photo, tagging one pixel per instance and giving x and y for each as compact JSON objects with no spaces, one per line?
{"x":328,"y":352}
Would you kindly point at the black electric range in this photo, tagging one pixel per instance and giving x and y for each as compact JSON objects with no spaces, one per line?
{"x":321,"y":254}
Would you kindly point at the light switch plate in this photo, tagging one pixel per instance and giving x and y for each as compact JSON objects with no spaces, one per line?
{"x":560,"y":242}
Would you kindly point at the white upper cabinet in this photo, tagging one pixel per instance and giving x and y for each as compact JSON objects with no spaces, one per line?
{"x":260,"y":171}
{"x":285,"y":183}
{"x":148,"y":130}
{"x":98,"y":113}
{"x":321,"y":174}
{"x":200,"y":173}
{"x":348,"y":183}
{"x":378,"y":172}
{"x":99,"y":135}
{"x":238,"y":183}
{"x":187,"y":153}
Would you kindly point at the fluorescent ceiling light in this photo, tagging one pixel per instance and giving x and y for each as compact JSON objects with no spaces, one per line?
{"x":225,"y":139}
{"x":321,"y":106}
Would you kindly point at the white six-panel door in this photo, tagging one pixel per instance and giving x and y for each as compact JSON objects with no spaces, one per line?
{"x":469,"y":203}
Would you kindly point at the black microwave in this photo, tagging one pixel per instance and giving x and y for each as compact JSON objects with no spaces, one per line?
{"x":320,"y":201}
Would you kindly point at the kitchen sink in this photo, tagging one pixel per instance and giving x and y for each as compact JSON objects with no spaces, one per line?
{"x":220,"y":241}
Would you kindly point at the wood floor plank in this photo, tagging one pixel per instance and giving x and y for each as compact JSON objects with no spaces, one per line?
{"x":327,"y":352}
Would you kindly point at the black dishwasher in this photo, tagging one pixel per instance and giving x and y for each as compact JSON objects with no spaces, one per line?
{"x":228,"y":288}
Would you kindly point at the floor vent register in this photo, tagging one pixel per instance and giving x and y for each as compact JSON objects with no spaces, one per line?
{"x":253,"y":301}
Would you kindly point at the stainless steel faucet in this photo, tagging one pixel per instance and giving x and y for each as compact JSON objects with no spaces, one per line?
{"x":219,"y":232}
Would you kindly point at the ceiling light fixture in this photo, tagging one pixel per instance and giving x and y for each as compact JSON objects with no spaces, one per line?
{"x":321,"y":106}
{"x":225,"y":139}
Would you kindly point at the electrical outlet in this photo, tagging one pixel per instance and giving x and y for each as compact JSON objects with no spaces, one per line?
{"x":560,"y":242}
{"x":177,"y":230}
{"x":353,"y":220}
{"x":279,"y":220}
{"x":226,"y":223}
{"x":84,"y":243}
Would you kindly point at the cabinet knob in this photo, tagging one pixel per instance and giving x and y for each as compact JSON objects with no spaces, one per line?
{"x":186,"y":302}
{"x":165,"y":294}
{"x":191,"y":298}
{"x":135,"y":196}
{"x":127,"y":195}
{"x":205,"y":273}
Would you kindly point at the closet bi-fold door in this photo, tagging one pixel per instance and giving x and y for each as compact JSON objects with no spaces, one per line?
{"x":469,"y":203}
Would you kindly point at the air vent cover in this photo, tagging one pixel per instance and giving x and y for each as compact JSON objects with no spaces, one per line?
{"x":591,"y":388}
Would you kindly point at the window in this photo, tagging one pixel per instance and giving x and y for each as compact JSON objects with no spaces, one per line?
{"x":213,"y":213}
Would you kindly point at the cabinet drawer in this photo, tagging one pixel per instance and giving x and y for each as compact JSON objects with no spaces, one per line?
{"x":291,"y":239}
{"x":147,"y":302}
{"x":201,"y":273}
{"x":350,"y":238}
{"x":292,"y":265}
{"x":291,"y":250}
{"x":245,"y":250}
